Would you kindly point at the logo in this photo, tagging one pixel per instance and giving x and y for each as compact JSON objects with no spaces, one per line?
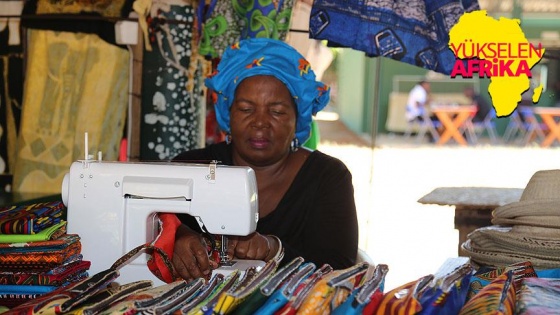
{"x":497,"y":49}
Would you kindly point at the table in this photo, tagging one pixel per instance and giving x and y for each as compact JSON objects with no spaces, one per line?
{"x":453,"y":118}
{"x":473,"y":205}
{"x":550,"y":116}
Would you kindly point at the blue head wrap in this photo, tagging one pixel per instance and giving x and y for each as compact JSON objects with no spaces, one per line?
{"x":264,"y":56}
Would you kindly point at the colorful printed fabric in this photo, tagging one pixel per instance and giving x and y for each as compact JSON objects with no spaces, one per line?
{"x":411,"y":31}
{"x":404,"y":300}
{"x":63,"y":299}
{"x":303,"y":289}
{"x":30,"y":219}
{"x":41,"y":258}
{"x":366,"y":298}
{"x":441,"y":301}
{"x":72,"y":273}
{"x":251,"y":282}
{"x":260,"y":296}
{"x":262,"y":56}
{"x":496,"y":298}
{"x":539,"y":297}
{"x":484,"y":276}
{"x":51,"y":233}
{"x":331,"y":291}
{"x":227,"y":22}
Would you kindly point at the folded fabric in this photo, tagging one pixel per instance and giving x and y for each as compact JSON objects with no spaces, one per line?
{"x":404,"y":299}
{"x":113,"y":293}
{"x":30,"y":219}
{"x":203,"y":294}
{"x":71,"y":273}
{"x":368,"y":295}
{"x":30,"y":258}
{"x":498,"y":298}
{"x":53,"y":232}
{"x":281,"y":296}
{"x":26,"y":289}
{"x":40,"y":246}
{"x":207,"y":305}
{"x":538,"y":297}
{"x":260,"y":296}
{"x":331,"y":291}
{"x":13,"y":300}
{"x":252,"y":281}
{"x":486,"y":275}
{"x":62,"y":299}
{"x":303,"y":289}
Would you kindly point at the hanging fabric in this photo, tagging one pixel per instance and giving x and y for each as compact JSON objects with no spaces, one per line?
{"x":411,"y":31}
{"x":173,"y":98}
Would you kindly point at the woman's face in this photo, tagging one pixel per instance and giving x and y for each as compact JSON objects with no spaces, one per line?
{"x":262,"y":120}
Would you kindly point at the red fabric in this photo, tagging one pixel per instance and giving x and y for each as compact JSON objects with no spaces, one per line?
{"x":166,"y":242}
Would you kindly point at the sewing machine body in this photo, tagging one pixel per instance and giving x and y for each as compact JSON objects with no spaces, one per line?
{"x":113,"y":205}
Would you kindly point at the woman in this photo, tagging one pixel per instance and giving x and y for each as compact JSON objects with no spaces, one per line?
{"x":267,"y":95}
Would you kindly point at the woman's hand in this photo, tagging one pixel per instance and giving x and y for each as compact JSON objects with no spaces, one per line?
{"x":254,"y":246}
{"x":190,"y":257}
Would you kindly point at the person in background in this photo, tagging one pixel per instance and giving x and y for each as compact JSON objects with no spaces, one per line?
{"x":418,"y":99}
{"x":266,"y":96}
{"x":483,"y":108}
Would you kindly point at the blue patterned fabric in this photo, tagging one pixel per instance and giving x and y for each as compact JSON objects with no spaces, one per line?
{"x":263,"y":56}
{"x":411,"y":31}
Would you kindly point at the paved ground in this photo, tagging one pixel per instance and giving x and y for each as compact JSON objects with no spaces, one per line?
{"x":412,"y":238}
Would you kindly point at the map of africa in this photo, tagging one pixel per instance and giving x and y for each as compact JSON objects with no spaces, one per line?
{"x":501,"y":43}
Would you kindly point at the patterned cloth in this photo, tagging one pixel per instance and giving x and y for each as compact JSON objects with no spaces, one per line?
{"x":172,"y":85}
{"x":30,"y":219}
{"x":262,"y":56}
{"x":41,"y":256}
{"x":75,"y":83}
{"x":539,"y":297}
{"x":57,"y":277}
{"x":51,"y":233}
{"x":497,"y":298}
{"x":227,"y":22}
{"x":411,"y":31}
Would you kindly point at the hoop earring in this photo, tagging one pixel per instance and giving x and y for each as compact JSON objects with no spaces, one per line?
{"x":228,"y":138}
{"x":294,"y":145}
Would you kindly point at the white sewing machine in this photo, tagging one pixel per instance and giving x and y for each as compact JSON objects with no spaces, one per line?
{"x":113,"y":206}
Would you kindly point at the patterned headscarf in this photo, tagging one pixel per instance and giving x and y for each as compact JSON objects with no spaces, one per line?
{"x":264,"y":56}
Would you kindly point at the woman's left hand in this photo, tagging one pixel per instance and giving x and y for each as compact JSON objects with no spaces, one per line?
{"x":254,"y":246}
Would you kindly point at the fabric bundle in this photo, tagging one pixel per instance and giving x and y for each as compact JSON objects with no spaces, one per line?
{"x":527,"y":230}
{"x":37,"y":256}
{"x":30,"y":219}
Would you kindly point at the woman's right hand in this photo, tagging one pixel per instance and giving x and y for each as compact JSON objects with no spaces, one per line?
{"x":190,"y":257}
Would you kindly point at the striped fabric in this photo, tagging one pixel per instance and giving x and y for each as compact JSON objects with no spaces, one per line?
{"x":30,"y":219}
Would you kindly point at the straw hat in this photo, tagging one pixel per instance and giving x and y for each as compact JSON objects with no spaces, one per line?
{"x":541,"y":197}
{"x":534,"y":231}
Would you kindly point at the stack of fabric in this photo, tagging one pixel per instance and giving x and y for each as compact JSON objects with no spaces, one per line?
{"x":36,"y":254}
{"x":527,"y":230}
